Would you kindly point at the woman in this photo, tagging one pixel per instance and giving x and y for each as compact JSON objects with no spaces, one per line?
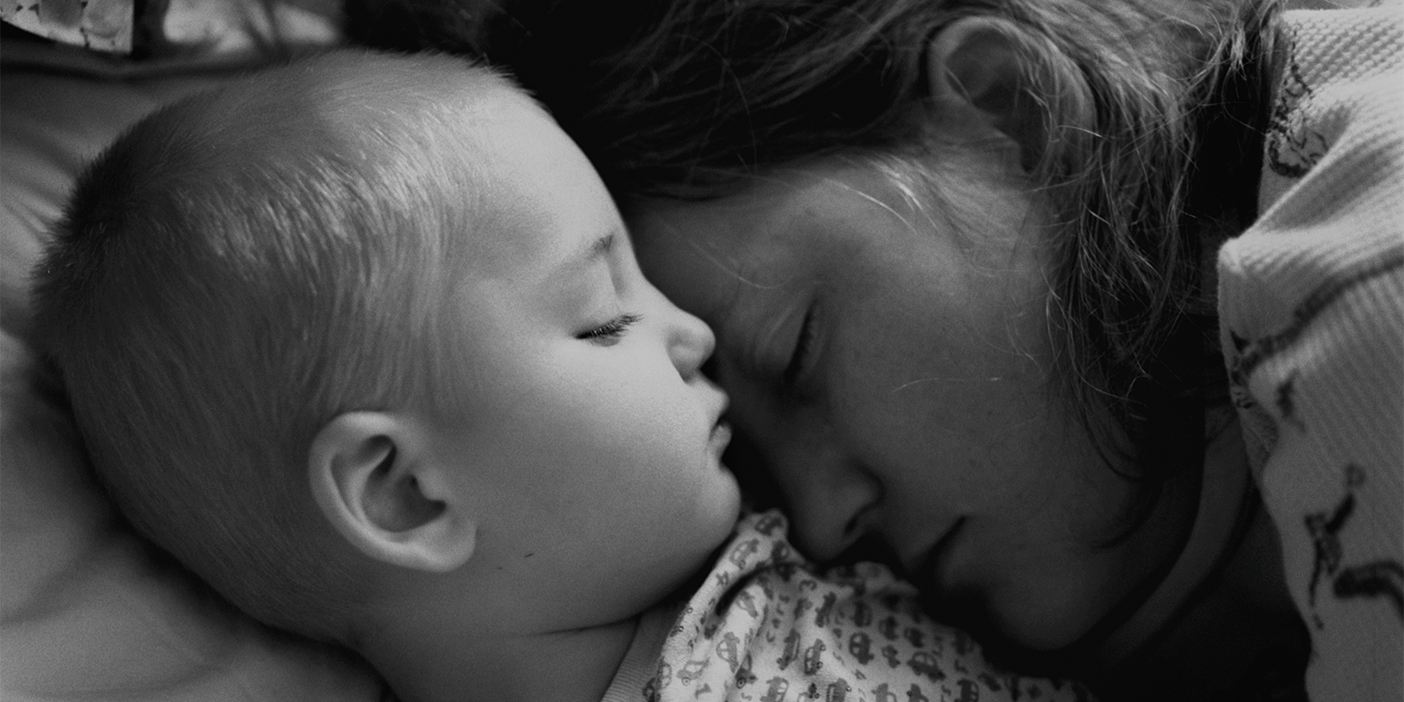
{"x":960,"y":258}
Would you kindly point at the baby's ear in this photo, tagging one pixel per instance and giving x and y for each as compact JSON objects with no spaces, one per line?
{"x":376,"y":479}
{"x":992,"y":81}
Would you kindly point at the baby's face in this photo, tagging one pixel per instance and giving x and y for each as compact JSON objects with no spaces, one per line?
{"x":591,"y":436}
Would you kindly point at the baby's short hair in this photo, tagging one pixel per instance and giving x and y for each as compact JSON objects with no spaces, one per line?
{"x":234,"y":271}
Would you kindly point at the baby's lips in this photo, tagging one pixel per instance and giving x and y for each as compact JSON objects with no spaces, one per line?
{"x":723,"y":400}
{"x":721,"y":437}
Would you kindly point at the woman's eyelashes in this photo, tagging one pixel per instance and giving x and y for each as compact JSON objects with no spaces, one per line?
{"x":799,"y":357}
{"x":610,"y":332}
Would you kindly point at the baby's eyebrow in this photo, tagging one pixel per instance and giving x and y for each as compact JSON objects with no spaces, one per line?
{"x":602,"y":246}
{"x":592,"y":252}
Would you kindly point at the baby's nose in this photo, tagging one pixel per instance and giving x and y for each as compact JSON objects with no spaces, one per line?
{"x":690,"y":341}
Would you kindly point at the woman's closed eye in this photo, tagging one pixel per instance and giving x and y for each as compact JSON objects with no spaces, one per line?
{"x":610,"y":332}
{"x":799,"y":357}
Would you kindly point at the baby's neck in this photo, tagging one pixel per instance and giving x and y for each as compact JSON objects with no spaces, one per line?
{"x":469,"y":666}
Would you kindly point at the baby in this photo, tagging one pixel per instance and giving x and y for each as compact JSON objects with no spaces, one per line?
{"x":362,"y":342}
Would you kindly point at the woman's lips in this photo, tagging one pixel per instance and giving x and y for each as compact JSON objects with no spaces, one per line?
{"x":947,"y":598}
{"x":932,"y":573}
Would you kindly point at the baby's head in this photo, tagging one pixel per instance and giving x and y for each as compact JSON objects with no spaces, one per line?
{"x":369,"y":327}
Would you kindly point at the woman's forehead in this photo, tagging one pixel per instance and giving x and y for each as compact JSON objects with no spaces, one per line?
{"x":811,"y":212}
{"x":772,"y":240}
{"x":703,"y":244}
{"x":841,"y":224}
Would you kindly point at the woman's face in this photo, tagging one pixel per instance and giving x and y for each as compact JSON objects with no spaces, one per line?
{"x":892,"y":371}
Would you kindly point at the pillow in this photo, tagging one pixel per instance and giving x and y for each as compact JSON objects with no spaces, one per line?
{"x":89,"y":611}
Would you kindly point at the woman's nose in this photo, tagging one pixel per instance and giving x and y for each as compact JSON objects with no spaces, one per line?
{"x":832,"y":502}
{"x":690,"y":341}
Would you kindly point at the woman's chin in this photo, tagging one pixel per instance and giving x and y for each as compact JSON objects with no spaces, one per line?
{"x":1034,"y":638}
